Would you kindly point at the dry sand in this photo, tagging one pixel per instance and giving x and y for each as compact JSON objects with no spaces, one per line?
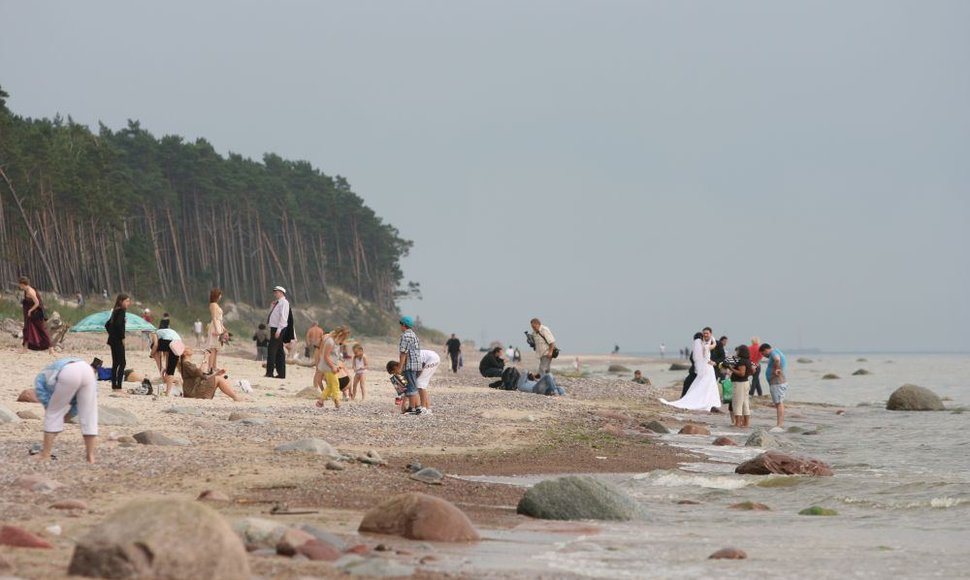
{"x":474,"y":431}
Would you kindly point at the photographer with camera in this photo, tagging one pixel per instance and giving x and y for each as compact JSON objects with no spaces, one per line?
{"x":544,"y":343}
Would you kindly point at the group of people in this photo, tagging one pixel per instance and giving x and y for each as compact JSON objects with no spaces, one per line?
{"x":713,"y":375}
{"x":493,"y":364}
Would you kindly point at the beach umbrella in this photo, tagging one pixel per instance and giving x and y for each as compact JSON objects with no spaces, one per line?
{"x":96,"y":322}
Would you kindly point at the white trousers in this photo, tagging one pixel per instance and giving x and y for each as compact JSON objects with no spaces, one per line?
{"x":75,"y":379}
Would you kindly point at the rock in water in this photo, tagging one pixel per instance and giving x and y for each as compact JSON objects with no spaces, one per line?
{"x":724,"y":441}
{"x":618,"y":369}
{"x":578,"y":498}
{"x":818,"y":511}
{"x":656,"y":427}
{"x":913,"y":398}
{"x":861,"y":372}
{"x":161,"y":539}
{"x":829,"y":376}
{"x":420,"y":516}
{"x":694,"y":430}
{"x":760,"y":438}
{"x":728,"y":554}
{"x":375,"y":568}
{"x":315,"y":446}
{"x":784,"y":464}
{"x":750,"y":506}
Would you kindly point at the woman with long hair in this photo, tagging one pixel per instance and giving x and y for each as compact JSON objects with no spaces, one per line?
{"x":116,"y":339}
{"x":217,"y":330}
{"x":35,"y":328}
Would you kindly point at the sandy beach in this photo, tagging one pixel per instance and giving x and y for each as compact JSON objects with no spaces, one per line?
{"x":474,"y":431}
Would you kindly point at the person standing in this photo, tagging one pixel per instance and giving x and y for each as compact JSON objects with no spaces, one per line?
{"x":314,"y":340}
{"x":755,"y":350}
{"x":777,"y":382}
{"x":217,"y":330}
{"x":692,"y":372}
{"x":663,"y":350}
{"x":116,"y":339}
{"x":197,"y":331}
{"x":545,"y":345}
{"x":702,"y":395}
{"x":261,"y":337}
{"x":68,"y":386}
{"x":146,"y":335}
{"x":410,"y":361}
{"x":80,"y":300}
{"x":35,"y":327}
{"x":718,"y":354}
{"x":740,"y":375}
{"x":453,"y":346}
{"x":278,"y":317}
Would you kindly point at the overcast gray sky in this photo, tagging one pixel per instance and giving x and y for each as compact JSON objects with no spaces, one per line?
{"x":628,"y":171}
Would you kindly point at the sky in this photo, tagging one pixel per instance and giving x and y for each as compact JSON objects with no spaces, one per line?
{"x":627,"y":171}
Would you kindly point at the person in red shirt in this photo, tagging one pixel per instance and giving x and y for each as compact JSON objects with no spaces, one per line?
{"x":756,"y":362}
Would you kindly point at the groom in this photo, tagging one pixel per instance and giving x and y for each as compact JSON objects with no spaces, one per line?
{"x":706,"y":337}
{"x":279,"y":318}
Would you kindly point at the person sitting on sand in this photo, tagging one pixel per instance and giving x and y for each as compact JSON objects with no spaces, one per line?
{"x":68,"y":386}
{"x":540,"y":385}
{"x":199,"y":385}
{"x":639,"y":379}
{"x":492,"y":363}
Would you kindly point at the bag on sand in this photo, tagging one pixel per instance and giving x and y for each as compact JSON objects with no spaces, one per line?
{"x":510,"y":379}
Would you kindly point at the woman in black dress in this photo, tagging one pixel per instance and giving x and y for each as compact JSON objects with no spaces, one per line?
{"x":116,"y":340}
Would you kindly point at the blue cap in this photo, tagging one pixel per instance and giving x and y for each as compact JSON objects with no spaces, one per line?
{"x":407,"y":321}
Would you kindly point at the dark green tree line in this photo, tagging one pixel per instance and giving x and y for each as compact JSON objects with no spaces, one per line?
{"x":168,"y":219}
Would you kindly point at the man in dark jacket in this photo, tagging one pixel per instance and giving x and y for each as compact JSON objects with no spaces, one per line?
{"x":454,"y":351}
{"x":492,"y":363}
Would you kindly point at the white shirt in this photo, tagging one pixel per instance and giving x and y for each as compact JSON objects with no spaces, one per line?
{"x":544,"y":339}
{"x":280,"y":314}
{"x":197,"y":327}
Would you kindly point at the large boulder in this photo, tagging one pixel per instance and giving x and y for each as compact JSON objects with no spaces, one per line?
{"x":259,"y":533}
{"x":913,"y":398}
{"x":159,"y":438}
{"x":691,"y":429}
{"x":420,"y":516}
{"x":761,"y":438}
{"x":655,"y":426}
{"x":578,"y":498}
{"x":784,"y":464}
{"x":21,"y":538}
{"x":161,"y":539}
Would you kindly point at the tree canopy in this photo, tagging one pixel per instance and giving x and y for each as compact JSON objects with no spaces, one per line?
{"x":168,"y":219}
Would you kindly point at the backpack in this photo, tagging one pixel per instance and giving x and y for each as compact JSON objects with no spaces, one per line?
{"x":510,"y":379}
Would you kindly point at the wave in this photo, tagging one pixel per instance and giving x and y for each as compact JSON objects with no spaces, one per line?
{"x":692,"y":480}
{"x":943,"y":502}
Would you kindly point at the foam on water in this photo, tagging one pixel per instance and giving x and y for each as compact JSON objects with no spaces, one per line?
{"x":674,"y":479}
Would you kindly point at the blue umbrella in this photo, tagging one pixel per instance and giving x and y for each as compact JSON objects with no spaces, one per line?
{"x":96,"y":322}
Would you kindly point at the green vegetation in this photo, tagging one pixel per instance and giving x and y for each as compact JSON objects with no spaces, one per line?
{"x":165,"y":220}
{"x":783,"y":481}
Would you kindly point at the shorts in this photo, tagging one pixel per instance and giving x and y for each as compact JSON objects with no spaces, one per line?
{"x":411,"y":379}
{"x":171,"y":364}
{"x":741,"y":403}
{"x":424,"y":377}
{"x":778,"y":392}
{"x":343,"y":382}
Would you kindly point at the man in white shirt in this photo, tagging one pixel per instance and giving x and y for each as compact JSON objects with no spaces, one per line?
{"x":197,"y":331}
{"x":545,"y":344}
{"x":277,"y":322}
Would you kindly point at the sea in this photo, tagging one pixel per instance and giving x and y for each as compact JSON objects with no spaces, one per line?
{"x":901,"y":490}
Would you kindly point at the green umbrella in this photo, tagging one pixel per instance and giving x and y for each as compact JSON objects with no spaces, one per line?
{"x":96,"y":322}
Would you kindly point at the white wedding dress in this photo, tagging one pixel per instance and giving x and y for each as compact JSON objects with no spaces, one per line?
{"x":703,"y":392}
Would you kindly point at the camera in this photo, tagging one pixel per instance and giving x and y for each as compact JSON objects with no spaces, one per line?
{"x":530,"y":339}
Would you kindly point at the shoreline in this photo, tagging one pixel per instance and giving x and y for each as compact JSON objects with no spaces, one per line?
{"x":474,"y":431}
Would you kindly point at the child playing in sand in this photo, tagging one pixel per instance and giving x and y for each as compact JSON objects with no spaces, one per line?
{"x":400,"y":386}
{"x":360,"y":372}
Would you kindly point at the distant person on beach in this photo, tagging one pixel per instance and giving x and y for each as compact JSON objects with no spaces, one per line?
{"x":35,"y":325}
{"x":492,"y":365}
{"x":517,"y":356}
{"x":509,"y":353}
{"x":217,"y":330}
{"x":314,"y":340}
{"x":80,"y":300}
{"x":453,"y":348}
{"x":755,"y":350}
{"x":703,"y":394}
{"x":663,"y":350}
{"x":777,"y":382}
{"x":279,"y":315}
{"x":545,"y":345}
{"x":639,"y":379}
{"x":616,"y":349}
{"x":197,"y":332}
{"x":261,"y":337}
{"x":146,"y":338}
{"x":104,"y":294}
{"x":740,"y":377}
{"x":359,"y":364}
{"x":68,"y":386}
{"x":116,"y":339}
{"x":166,"y":320}
{"x":410,"y":359}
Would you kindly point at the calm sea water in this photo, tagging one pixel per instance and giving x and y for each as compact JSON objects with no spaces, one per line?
{"x":901,"y":489}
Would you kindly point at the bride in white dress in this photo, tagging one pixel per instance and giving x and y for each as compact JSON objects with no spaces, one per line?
{"x":703,"y":394}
